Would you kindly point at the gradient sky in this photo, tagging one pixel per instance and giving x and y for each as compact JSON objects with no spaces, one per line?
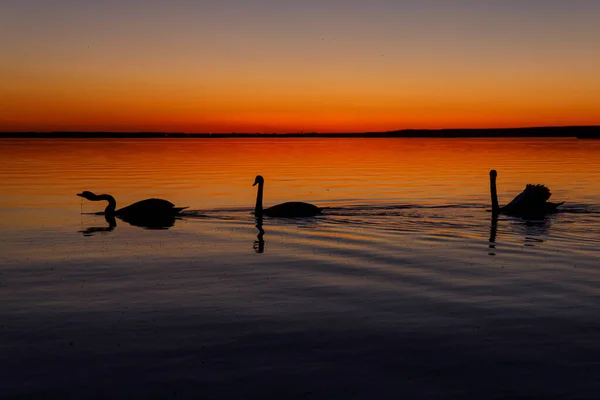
{"x":291,"y":66}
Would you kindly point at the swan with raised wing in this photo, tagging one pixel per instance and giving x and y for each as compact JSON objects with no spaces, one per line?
{"x":531,"y":202}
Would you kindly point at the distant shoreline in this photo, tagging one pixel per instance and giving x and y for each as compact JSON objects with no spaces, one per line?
{"x":580,"y":132}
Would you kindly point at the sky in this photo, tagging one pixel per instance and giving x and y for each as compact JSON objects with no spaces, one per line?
{"x":297,"y":66}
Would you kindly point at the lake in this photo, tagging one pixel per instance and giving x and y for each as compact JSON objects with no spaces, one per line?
{"x":405,"y":286}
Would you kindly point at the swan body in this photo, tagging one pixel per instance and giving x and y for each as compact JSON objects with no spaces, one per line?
{"x":290,"y":209}
{"x":145,"y":209}
{"x":531,"y":202}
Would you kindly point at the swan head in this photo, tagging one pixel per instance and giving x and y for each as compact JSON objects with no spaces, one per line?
{"x":258,"y":180}
{"x":493,"y":174}
{"x":88,"y":195}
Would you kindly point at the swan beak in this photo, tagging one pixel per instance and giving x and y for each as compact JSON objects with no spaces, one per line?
{"x":254,"y":184}
{"x":80,"y":194}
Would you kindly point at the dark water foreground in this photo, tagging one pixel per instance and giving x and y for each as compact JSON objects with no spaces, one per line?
{"x":467,"y":353}
{"x":340,"y":307}
{"x":214,"y":357}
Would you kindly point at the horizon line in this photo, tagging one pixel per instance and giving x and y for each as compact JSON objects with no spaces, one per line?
{"x":536,"y":131}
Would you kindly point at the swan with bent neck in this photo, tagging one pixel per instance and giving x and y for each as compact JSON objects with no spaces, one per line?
{"x":531,"y":202}
{"x":290,"y":209}
{"x":149,"y":208}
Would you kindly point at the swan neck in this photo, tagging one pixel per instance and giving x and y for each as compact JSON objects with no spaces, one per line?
{"x":258,"y":209}
{"x":112,"y":203}
{"x":494,"y":194}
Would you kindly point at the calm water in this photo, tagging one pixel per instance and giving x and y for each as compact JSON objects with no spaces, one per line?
{"x":405,"y":287}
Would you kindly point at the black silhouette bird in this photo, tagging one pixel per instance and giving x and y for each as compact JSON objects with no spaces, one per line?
{"x":288,"y":210}
{"x":150,"y":213}
{"x":531,"y":202}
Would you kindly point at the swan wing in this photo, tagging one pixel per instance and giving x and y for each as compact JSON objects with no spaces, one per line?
{"x":532,"y":197}
{"x":293,"y":209}
{"x":149,"y":207}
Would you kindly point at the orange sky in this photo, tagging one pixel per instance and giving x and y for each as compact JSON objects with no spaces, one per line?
{"x":327,"y":67}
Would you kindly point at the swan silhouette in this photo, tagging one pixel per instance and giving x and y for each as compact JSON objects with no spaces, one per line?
{"x":147,"y":213}
{"x":531,"y":202}
{"x":287,"y":210}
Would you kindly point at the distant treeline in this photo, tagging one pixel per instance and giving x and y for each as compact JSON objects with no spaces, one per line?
{"x":581,"y":132}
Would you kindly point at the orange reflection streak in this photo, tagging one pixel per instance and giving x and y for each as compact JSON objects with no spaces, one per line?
{"x":213,"y":173}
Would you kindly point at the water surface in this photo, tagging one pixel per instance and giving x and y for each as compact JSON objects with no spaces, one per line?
{"x":405,"y":286}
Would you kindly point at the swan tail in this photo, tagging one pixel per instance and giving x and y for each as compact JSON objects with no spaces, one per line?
{"x":554,"y":206}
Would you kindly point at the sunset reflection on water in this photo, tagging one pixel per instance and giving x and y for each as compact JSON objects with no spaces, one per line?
{"x":406,"y":270}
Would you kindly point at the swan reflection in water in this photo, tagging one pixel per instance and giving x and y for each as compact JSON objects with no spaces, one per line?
{"x":300,"y":223}
{"x":259,"y":243}
{"x":493,"y":234}
{"x":155,"y":224}
{"x":110,"y":220}
{"x":531,"y":229}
